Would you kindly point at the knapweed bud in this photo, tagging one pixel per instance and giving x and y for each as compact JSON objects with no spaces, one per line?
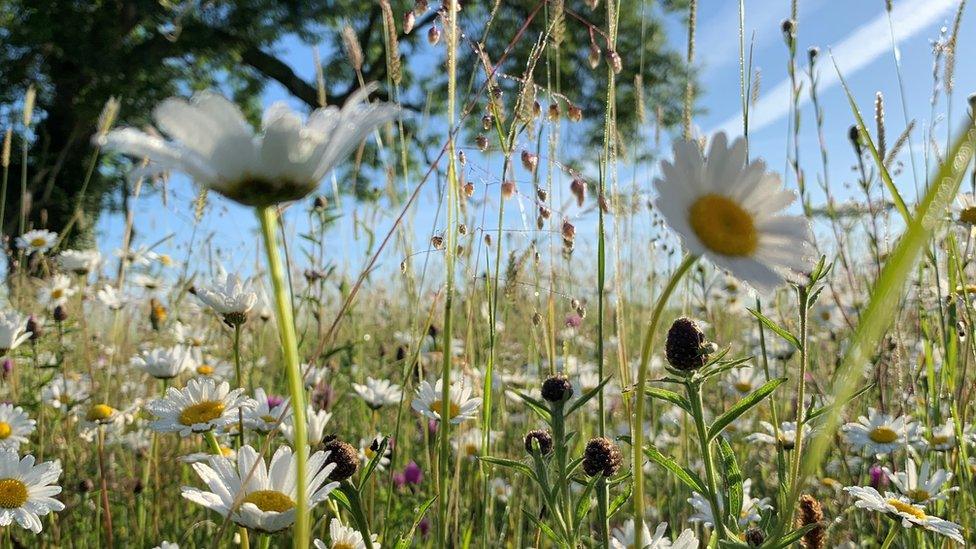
{"x":684,"y":345}
{"x":601,"y":457}
{"x":540,"y":437}
{"x":557,"y":388}
{"x":812,"y":513}
{"x":345,"y":457}
{"x":60,"y":313}
{"x":755,"y":536}
{"x":34,"y":328}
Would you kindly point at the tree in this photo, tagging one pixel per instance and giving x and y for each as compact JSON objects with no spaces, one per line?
{"x":79,"y":53}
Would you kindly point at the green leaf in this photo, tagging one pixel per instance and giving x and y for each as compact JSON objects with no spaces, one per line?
{"x":793,"y":537}
{"x":779,"y":330}
{"x":536,"y":406}
{"x":544,"y":527}
{"x":824,"y":409}
{"x":511,"y":464}
{"x":578,"y":403}
{"x":621,"y":500}
{"x":733,"y":479}
{"x":405,"y":542}
{"x":743,"y":406}
{"x":585,"y":501}
{"x":687,"y":476}
{"x":669,"y":396}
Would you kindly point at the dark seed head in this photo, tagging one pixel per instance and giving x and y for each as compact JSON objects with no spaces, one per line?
{"x":601,"y":457}
{"x":60,"y":314}
{"x":557,"y":389}
{"x":345,"y":457}
{"x":684,"y":345}
{"x":540,"y":437}
{"x":755,"y":536}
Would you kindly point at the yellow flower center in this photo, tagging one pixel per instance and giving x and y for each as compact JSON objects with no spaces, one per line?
{"x":723,"y":226}
{"x":452,"y":411}
{"x":165,"y":260}
{"x":100,"y":412}
{"x":883,"y":435}
{"x":919,"y":494}
{"x":37,"y":242}
{"x":937,"y":440}
{"x":226,"y":451}
{"x":201,"y":412}
{"x":967,"y":215}
{"x":270,"y":500}
{"x":907,"y":508}
{"x":57,"y":293}
{"x":268,"y":419}
{"x":5,"y":430}
{"x":743,"y":386}
{"x":205,"y":370}
{"x":369,"y":452}
{"x":13,"y":493}
{"x":343,"y":545}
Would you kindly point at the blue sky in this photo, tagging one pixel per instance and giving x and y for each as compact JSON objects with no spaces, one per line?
{"x":856,"y":32}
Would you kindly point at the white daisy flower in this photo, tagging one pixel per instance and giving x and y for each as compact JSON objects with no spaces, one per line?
{"x":64,"y":392}
{"x":229,"y":297}
{"x":378,"y":392}
{"x":923,"y":486}
{"x":164,"y":363}
{"x":750,"y":506}
{"x":111,"y":298}
{"x":732,"y":213}
{"x":80,"y":262}
{"x":742,"y":381}
{"x":15,"y":426}
{"x":787,"y":434}
{"x":461,"y":407}
{"x":212,"y":142}
{"x":56,"y":292}
{"x":39,"y":240}
{"x":500,"y":489}
{"x":316,"y":420}
{"x":879,"y":433}
{"x":899,"y":507}
{"x":27,"y":490}
{"x":942,"y":437}
{"x":259,"y":496}
{"x":625,"y":537}
{"x":209,"y":367}
{"x":268,"y":413}
{"x":13,"y":330}
{"x":148,"y":282}
{"x":344,"y":537}
{"x":965,"y":208}
{"x":201,"y":406}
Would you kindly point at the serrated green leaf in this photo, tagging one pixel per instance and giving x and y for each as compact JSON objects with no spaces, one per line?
{"x":776,"y":328}
{"x":669,"y":396}
{"x":687,"y":476}
{"x":743,"y":406}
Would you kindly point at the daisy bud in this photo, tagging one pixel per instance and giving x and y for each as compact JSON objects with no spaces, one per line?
{"x":594,"y":57}
{"x":235,"y":319}
{"x":684,"y":345}
{"x":508,"y":189}
{"x":482,"y":143}
{"x":568,"y":231}
{"x":344,"y":456}
{"x":812,"y":513}
{"x":554,"y":112}
{"x":812,"y":54}
{"x":557,"y":388}
{"x":60,"y":314}
{"x":575,"y":113}
{"x":34,"y":327}
{"x":541,"y":438}
{"x":578,"y":188}
{"x":434,"y":35}
{"x":755,"y":536}
{"x":601,"y":457}
{"x":409,"y":20}
{"x":469,"y":189}
{"x":530,"y":161}
{"x":616,"y":63}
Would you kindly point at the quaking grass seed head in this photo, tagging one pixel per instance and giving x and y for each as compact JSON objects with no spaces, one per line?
{"x":540,"y":438}
{"x":601,"y":457}
{"x":557,"y":388}
{"x":345,"y":457}
{"x":686,"y":348}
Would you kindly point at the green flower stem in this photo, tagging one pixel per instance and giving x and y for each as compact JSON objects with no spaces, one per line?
{"x":357,"y":511}
{"x":892,"y":534}
{"x":289,"y":349}
{"x":637,"y":425}
{"x":697,"y":410}
{"x":240,"y":382}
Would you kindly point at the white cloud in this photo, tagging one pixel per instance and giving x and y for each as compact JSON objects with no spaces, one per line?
{"x":858,"y":50}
